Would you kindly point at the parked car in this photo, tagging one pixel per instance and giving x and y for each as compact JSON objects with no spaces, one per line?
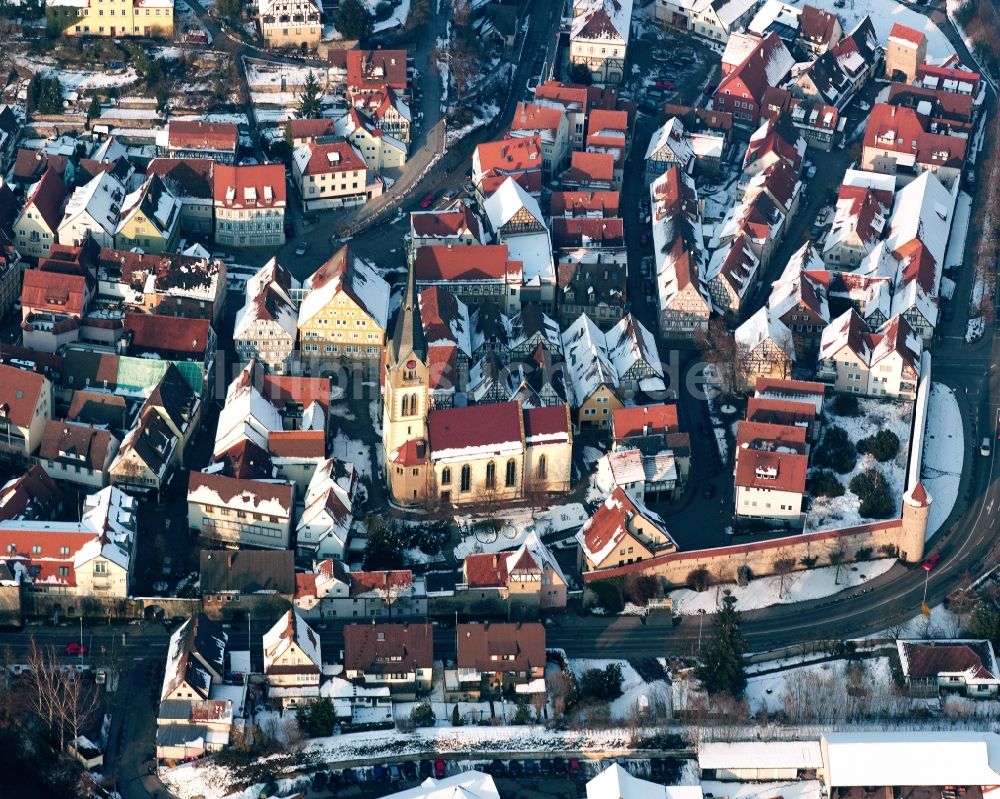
{"x":515,"y":768}
{"x":76,"y":648}
{"x":349,"y":776}
{"x":545,"y":766}
{"x":449,"y":195}
{"x":932,"y":560}
{"x":558,"y":765}
{"x":666,"y":84}
{"x":986,"y":448}
{"x":394,"y":773}
{"x":319,"y":781}
{"x":574,"y":765}
{"x":303,"y":248}
{"x":428,"y":200}
{"x":711,"y":87}
{"x":530,"y":767}
{"x":497,"y":768}
{"x":410,"y":770}
{"x":532,"y":81}
{"x":440,"y":769}
{"x":379,"y":773}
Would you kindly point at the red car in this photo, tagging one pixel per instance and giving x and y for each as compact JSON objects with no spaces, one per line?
{"x":76,"y":649}
{"x":439,"y":768}
{"x":669,"y":85}
{"x":427,"y":201}
{"x":931,"y":561}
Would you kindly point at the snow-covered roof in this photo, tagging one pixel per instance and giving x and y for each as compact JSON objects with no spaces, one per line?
{"x":912,"y":758}
{"x":506,"y":201}
{"x":268,"y":299}
{"x":729,"y":11}
{"x":739,"y":46}
{"x":603,"y":20}
{"x":760,"y":755}
{"x":291,"y":627}
{"x":466,"y":785}
{"x":774,"y":12}
{"x":630,"y":343}
{"x":923,"y":210}
{"x":101,"y":198}
{"x":534,"y":251}
{"x":587,"y":360}
{"x":354,"y":276}
{"x":246,"y":414}
{"x":672,"y":136}
{"x":762,"y":326}
{"x":616,"y":783}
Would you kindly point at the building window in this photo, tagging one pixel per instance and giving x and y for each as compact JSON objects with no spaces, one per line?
{"x":446,"y":476}
{"x":466,"y":478}
{"x":542,"y":467}
{"x":511,"y":473}
{"x":491,"y":475}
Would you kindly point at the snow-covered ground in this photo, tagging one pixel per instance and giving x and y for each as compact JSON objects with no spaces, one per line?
{"x":831,"y":513}
{"x":484,"y":116}
{"x":885,"y":14}
{"x":357,"y":452}
{"x":763,"y":592}
{"x":974,"y":329}
{"x":396,"y":20}
{"x":264,"y":75}
{"x":944,"y":453}
{"x":805,"y":789}
{"x":518,"y":523}
{"x":637,"y":697}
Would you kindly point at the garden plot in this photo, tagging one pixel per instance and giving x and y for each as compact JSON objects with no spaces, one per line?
{"x":831,"y":513}
{"x":944,"y":453}
{"x":496,"y":535}
{"x":638,"y":696}
{"x":799,"y":586}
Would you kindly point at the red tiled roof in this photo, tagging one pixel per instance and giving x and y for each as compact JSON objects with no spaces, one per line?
{"x":310,"y":128}
{"x":902,"y":130}
{"x":573,"y":231}
{"x":319,"y":158}
{"x":48,"y":198}
{"x":446,"y":262}
{"x":79,"y":440}
{"x":546,"y":424}
{"x":779,"y":411}
{"x":761,"y":435}
{"x":185,"y":177}
{"x":928,"y":660}
{"x":475,"y":427}
{"x":297,"y":443}
{"x":485,"y":570}
{"x":168,"y":334}
{"x":304,"y":391}
{"x":30,"y":165}
{"x":264,"y":183}
{"x":445,"y":223}
{"x":917,"y":264}
{"x":585,"y":166}
{"x":907,"y":34}
{"x":410,"y":453}
{"x":573,"y":203}
{"x":817,"y":25}
{"x":569,"y":95}
{"x":629,"y":422}
{"x":52,"y":292}
{"x":368,"y":69}
{"x":949,"y":73}
{"x":751,"y":74}
{"x":510,"y":156}
{"x":501,"y":647}
{"x":754,"y":467}
{"x":789,"y":386}
{"x":255,"y":492}
{"x":393,"y":648}
{"x":531,"y":116}
{"x":200,"y":135}
{"x":366,"y":582}
{"x":600,"y":120}
{"x":32,"y":495}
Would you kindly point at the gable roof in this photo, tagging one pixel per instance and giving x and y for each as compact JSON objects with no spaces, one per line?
{"x":247,"y":571}
{"x":388,"y":648}
{"x":609,"y":524}
{"x":48,"y":196}
{"x":249,"y":186}
{"x":177,"y":335}
{"x":20,"y":393}
{"x":291,"y":628}
{"x":201,"y":135}
{"x":767,"y":64}
{"x":501,"y":647}
{"x":356,"y":278}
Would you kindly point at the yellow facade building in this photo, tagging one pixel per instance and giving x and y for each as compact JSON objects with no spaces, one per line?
{"x":144,"y":18}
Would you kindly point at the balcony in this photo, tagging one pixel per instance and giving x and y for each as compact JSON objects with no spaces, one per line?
{"x":826,"y":370}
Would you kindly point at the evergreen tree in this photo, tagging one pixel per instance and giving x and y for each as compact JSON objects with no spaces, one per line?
{"x":309,"y":100}
{"x":721,"y":667}
{"x":94,"y":111}
{"x":353,"y":20}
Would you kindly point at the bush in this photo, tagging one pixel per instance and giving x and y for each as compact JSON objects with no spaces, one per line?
{"x":835,"y":451}
{"x":423,"y":715}
{"x":640,"y":588}
{"x":456,"y":718}
{"x":884,"y":445}
{"x":605,"y":684}
{"x":383,"y":11}
{"x":431,"y":538}
{"x":876,"y":497}
{"x":522,"y":715}
{"x":608,"y":594}
{"x":863,"y":553}
{"x":316,"y":719}
{"x":824,"y":483}
{"x":846,"y":405}
{"x":699,"y":579}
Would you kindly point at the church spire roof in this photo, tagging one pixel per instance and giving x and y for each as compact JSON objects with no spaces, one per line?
{"x":408,"y":337}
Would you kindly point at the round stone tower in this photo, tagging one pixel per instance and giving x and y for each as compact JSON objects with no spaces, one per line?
{"x":912,"y":534}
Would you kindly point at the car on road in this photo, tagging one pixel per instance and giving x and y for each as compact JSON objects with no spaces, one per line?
{"x":558,"y":765}
{"x":440,"y":769}
{"x":428,"y":200}
{"x":669,"y":85}
{"x":644,"y":238}
{"x":811,"y":171}
{"x":409,"y":769}
{"x":985,"y":448}
{"x":708,"y":491}
{"x":449,"y":195}
{"x":303,"y":248}
{"x":76,"y":648}
{"x":711,"y":87}
{"x":515,"y":768}
{"x":532,"y":82}
{"x":933,"y":560}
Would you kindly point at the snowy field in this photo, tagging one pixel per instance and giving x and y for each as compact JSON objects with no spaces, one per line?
{"x":800,"y":586}
{"x":885,"y":14}
{"x":263,"y":76}
{"x":638,"y":696}
{"x":831,"y":513}
{"x":520,"y":522}
{"x":944,"y":453}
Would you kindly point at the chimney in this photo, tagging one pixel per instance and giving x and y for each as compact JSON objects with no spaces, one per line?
{"x":893,"y":111}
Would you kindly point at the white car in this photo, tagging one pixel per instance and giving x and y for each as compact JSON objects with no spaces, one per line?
{"x":985,"y":448}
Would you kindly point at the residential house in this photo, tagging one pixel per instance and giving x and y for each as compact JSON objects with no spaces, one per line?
{"x":196,"y":657}
{"x":819,"y":30}
{"x":37,"y":226}
{"x":598,"y":38}
{"x":523,"y":581}
{"x":859,"y":222}
{"x":380,"y":149}
{"x":306,"y":131}
{"x":25,"y":408}
{"x":859,"y":54}
{"x":590,"y":170}
{"x":237,"y":512}
{"x":370,"y":71}
{"x":31,"y":495}
{"x":451,"y":226}
{"x":609,"y":132}
{"x":78,"y":453}
{"x":476,"y":275}
{"x":249,"y":205}
{"x":592,"y":282}
{"x":92,"y":557}
{"x":645,"y":477}
{"x":332,"y":175}
{"x":145,"y":18}
{"x":30,"y":165}
{"x":552,"y":128}
{"x":714,"y":20}
{"x":669,"y":146}
{"x":150,"y":219}
{"x":770,"y":474}
{"x":324,"y":525}
{"x":765,"y":347}
{"x":905,"y":53}
{"x":169,"y":337}
{"x":621,"y":531}
{"x":899,"y":141}
{"x":10,"y":129}
{"x":146,"y":455}
{"x":631,"y":426}
{"x":189,"y":181}
{"x":298,"y":24}
{"x":400,"y":656}
{"x":800,"y":301}
{"x":266,"y":327}
{"x":683,"y":300}
{"x":447,"y":327}
{"x":882,"y":363}
{"x":957,"y":666}
{"x":293,"y":661}
{"x":344,"y":314}
{"x":741,"y":92}
{"x":215,"y":141}
{"x":94,"y":211}
{"x":238,"y":582}
{"x":519,"y":157}
{"x":497,"y":657}
{"x":332,"y":590}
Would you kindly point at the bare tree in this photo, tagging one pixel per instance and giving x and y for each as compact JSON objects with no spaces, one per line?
{"x":783,"y":567}
{"x":78,"y":703}
{"x":837,"y":558}
{"x":558,"y":687}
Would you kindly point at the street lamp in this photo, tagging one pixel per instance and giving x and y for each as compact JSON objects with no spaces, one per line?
{"x":701,"y":621}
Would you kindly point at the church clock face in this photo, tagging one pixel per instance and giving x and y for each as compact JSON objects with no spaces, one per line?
{"x":411,"y":364}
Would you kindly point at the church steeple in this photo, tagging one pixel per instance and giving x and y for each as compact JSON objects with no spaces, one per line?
{"x":408,"y":337}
